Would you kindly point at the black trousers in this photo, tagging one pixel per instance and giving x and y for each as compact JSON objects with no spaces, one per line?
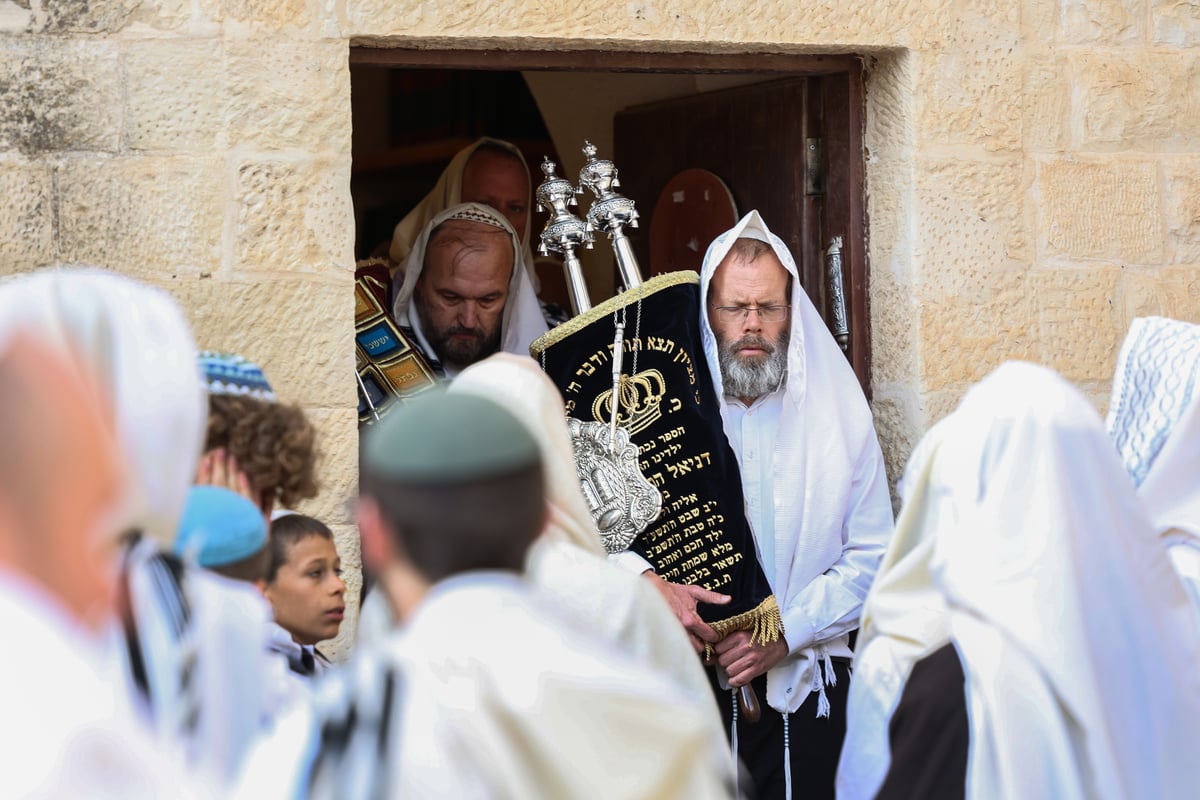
{"x":815,"y":743}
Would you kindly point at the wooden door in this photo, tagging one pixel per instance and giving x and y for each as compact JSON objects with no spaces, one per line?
{"x":790,"y":148}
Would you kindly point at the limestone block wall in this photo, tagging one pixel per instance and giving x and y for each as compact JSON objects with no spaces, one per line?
{"x":1033,"y":168}
{"x":205,"y":148}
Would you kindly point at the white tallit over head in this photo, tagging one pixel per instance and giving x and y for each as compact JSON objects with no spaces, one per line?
{"x":136,"y":342}
{"x":447,"y":192}
{"x":1154,"y":418}
{"x":568,"y":561}
{"x":1074,"y":635}
{"x":904,"y":619}
{"x":825,"y":435}
{"x":522,"y":321}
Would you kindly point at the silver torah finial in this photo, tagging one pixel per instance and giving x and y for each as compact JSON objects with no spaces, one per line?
{"x":564,"y":232}
{"x":611,"y":212}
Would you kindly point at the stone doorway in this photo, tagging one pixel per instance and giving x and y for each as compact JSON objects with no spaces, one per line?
{"x":546,"y":101}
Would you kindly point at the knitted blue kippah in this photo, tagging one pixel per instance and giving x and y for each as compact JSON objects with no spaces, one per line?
{"x":219,"y":527}
{"x":226,"y":373}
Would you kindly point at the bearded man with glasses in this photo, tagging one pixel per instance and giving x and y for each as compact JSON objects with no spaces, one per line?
{"x":816,"y":498}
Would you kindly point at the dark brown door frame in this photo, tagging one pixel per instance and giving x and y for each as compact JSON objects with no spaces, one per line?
{"x":368,"y":53}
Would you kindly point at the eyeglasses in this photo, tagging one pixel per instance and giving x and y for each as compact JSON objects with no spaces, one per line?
{"x":739,"y":313}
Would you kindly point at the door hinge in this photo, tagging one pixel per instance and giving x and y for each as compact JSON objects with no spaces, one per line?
{"x":814,"y":166}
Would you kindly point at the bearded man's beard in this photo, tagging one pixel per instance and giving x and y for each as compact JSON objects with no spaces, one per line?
{"x":752,"y":376}
{"x":456,"y":345}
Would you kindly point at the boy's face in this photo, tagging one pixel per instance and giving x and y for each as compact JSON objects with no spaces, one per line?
{"x":307,"y":593}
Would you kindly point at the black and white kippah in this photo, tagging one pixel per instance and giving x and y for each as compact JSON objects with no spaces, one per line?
{"x":477,"y":212}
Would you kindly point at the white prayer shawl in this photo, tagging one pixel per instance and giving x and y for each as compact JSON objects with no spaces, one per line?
{"x":568,"y":563}
{"x":506,"y":695}
{"x":136,"y":342}
{"x":1074,"y":635}
{"x":1154,"y":419}
{"x":447,"y":192}
{"x":903,"y":620}
{"x":157,"y":397}
{"x":522,"y":320}
{"x":66,"y":732}
{"x":833,"y":513}
{"x":494,"y":695}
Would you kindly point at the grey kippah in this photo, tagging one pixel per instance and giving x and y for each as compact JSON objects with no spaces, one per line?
{"x":447,"y":438}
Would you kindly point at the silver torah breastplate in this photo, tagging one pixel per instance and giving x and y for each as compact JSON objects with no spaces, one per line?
{"x":622,"y":502}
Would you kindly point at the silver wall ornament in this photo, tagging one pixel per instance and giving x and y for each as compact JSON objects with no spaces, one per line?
{"x":564,"y":232}
{"x":839,"y":325}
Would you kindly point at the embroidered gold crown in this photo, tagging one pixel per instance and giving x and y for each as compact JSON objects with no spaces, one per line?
{"x":640,"y":401}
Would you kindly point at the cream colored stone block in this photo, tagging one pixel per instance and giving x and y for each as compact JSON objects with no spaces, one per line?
{"x":670,"y":25}
{"x":1181,"y":199}
{"x":897,"y":418}
{"x":84,"y":16}
{"x":58,"y":94}
{"x":1079,"y":324}
{"x":971,"y":224}
{"x":289,"y":94}
{"x":966,"y":96}
{"x":1104,"y":209}
{"x":1106,"y":22}
{"x":893,"y":332}
{"x":274,"y":15}
{"x":936,"y":405}
{"x":294,"y":217}
{"x":15,"y":17}
{"x":1046,"y":105}
{"x":1039,"y":21}
{"x":300,"y":332}
{"x":1176,"y":22}
{"x":1140,"y":101}
{"x":962,"y":340}
{"x":337,"y":470}
{"x":1173,"y":292}
{"x":175,"y":93}
{"x":26,"y":217}
{"x":142,"y":215}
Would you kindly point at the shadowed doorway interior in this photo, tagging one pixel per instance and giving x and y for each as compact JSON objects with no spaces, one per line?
{"x":783,"y":135}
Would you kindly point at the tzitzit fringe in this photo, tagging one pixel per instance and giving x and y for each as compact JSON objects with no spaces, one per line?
{"x":764,"y":622}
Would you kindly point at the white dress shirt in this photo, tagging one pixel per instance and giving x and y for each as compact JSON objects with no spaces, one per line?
{"x":752,"y":431}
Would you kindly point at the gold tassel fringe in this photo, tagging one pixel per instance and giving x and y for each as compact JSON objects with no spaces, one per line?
{"x":764,"y":622}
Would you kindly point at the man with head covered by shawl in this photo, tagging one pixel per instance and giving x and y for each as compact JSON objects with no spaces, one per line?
{"x":466,"y":293}
{"x":65,"y":495}
{"x":1042,"y":642}
{"x":816,"y":499}
{"x":192,"y":651}
{"x":1154,"y":418}
{"x":491,"y":172}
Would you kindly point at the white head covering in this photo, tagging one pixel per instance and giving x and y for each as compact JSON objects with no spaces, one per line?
{"x":136,"y":342}
{"x":1154,"y":418}
{"x":447,"y":192}
{"x":825,"y":434}
{"x":1074,"y":635}
{"x":522,"y":321}
{"x":903,"y":619}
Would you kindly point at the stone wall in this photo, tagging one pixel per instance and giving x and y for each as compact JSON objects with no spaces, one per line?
{"x":1033,"y":168}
